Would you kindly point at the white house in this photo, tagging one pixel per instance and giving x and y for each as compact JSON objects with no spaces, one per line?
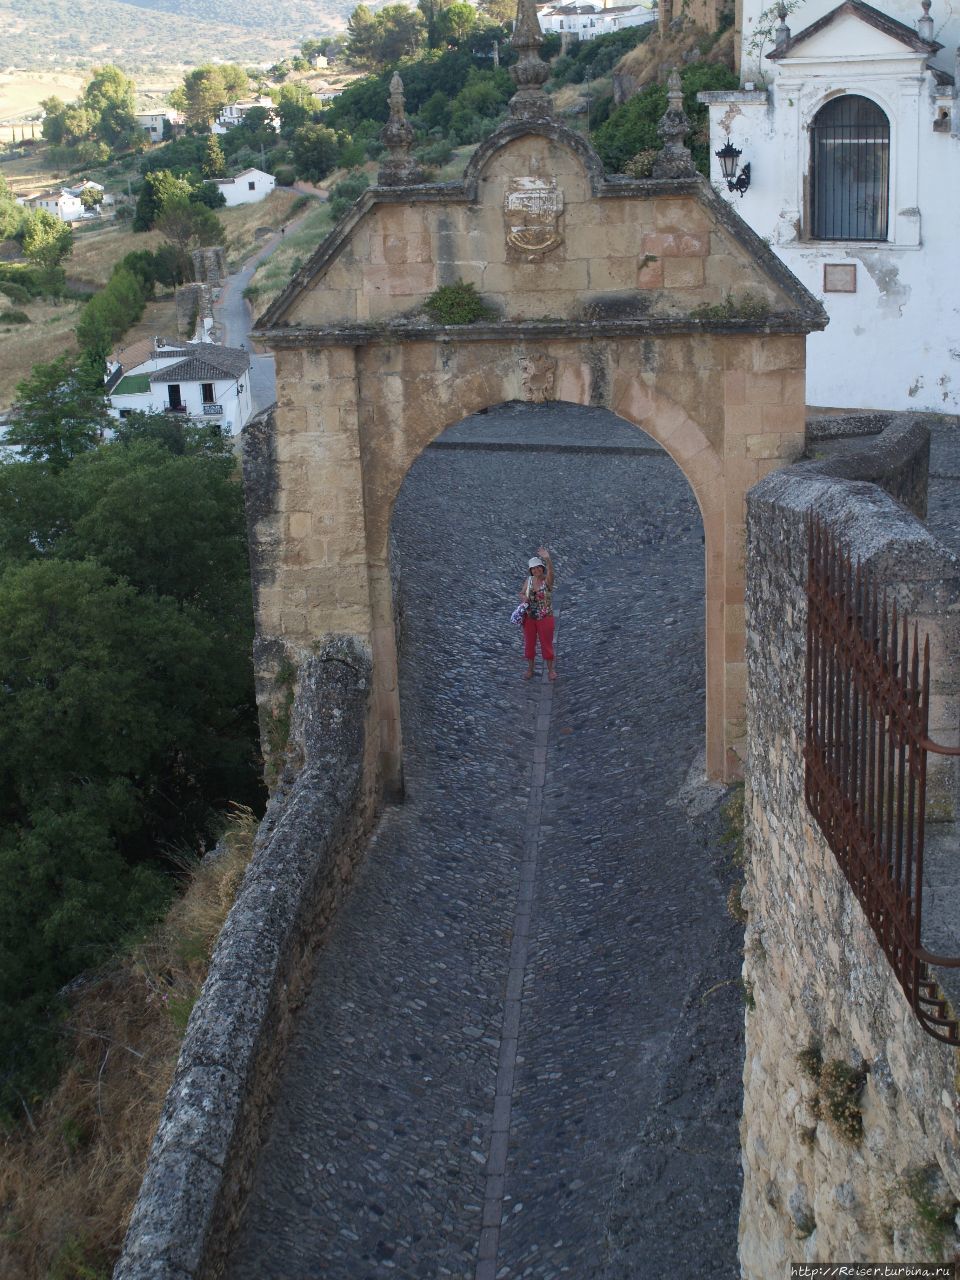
{"x":234,"y":113}
{"x":586,"y":21}
{"x":65,"y":203}
{"x":249,"y":187}
{"x":195,"y":379}
{"x":152,"y":122}
{"x":851,"y":128}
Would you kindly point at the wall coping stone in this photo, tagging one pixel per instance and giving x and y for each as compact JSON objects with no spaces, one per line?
{"x":202,"y":1156}
{"x":406,"y":329}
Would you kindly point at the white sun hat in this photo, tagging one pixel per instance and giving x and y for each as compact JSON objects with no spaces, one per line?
{"x":535,"y":563}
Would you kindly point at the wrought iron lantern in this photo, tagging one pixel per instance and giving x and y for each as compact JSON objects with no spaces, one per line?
{"x":729,"y":155}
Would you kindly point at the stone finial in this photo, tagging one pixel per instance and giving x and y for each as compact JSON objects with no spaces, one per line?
{"x":529,"y":73}
{"x":399,"y":168}
{"x":674,"y":160}
{"x":925,"y":24}
{"x":782,"y":33}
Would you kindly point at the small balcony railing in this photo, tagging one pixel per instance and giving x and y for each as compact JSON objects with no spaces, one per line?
{"x":867,"y":741}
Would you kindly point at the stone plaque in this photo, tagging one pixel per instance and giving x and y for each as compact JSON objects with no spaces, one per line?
{"x":839,"y":277}
{"x":532,"y":209}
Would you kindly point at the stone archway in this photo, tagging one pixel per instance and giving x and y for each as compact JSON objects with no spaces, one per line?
{"x":647,"y":297}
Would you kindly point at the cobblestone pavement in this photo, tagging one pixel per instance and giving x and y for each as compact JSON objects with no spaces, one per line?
{"x":620,"y":1090}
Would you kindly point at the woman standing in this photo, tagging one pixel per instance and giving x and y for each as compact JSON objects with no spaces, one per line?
{"x":537,"y":594}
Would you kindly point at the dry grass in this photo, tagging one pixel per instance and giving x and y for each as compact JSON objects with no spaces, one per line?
{"x":272,"y":276}
{"x":51,"y":334}
{"x":48,"y":335}
{"x":22,"y":92}
{"x":243,"y":222}
{"x":97,"y":252}
{"x":653,"y":59}
{"x":159,"y":318}
{"x":68,"y":1180}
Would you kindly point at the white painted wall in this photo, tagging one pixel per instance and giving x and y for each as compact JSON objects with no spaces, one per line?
{"x":232,"y":397}
{"x":895,"y":342}
{"x":249,"y":187}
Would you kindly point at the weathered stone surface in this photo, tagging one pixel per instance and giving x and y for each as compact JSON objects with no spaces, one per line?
{"x":626,"y":1086}
{"x":307,"y":848}
{"x":814,"y":970}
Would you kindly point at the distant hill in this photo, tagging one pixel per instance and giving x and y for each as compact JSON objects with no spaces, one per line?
{"x":141,"y":34}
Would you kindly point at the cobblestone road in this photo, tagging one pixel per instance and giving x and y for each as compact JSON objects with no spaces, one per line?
{"x":552,"y":867}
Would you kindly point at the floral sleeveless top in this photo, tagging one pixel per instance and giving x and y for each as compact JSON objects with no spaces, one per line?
{"x":539,"y":600}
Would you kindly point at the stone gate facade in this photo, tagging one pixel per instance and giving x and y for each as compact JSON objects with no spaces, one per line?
{"x":648,"y":297}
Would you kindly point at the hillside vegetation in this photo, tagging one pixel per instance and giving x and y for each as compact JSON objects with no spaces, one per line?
{"x":155,"y":33}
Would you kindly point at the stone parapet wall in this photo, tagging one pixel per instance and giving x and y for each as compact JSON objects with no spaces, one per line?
{"x":309,"y":844}
{"x":816,"y":981}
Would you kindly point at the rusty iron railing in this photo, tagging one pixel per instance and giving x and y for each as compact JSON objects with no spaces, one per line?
{"x":867,"y":719}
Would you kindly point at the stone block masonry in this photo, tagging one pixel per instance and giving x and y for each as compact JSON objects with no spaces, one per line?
{"x":309,"y":843}
{"x":819,"y":989}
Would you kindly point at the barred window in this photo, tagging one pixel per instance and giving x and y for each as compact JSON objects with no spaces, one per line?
{"x":850,"y":170}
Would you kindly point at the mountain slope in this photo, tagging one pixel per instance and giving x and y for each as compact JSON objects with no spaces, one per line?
{"x":152,"y":33}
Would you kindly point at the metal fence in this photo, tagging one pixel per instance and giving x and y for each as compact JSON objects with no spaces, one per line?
{"x":867,"y":718}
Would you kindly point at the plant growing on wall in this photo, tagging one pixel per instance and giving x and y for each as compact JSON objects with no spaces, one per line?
{"x":840,"y":1089}
{"x":766,"y":25}
{"x":458,"y":304}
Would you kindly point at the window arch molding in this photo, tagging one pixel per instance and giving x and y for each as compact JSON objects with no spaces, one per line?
{"x":850,"y":192}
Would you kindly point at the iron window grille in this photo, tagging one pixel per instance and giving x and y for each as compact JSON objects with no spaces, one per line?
{"x":850,"y":170}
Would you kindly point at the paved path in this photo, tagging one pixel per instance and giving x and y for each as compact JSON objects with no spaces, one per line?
{"x":521,"y":1054}
{"x":232,"y":313}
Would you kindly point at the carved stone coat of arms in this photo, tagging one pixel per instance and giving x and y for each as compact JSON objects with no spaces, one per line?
{"x":532,"y":209}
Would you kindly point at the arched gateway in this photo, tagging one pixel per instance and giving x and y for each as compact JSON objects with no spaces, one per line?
{"x":648,"y":297}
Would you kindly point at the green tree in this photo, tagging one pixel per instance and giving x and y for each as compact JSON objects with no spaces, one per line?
{"x":53,"y":127}
{"x":109,"y":98}
{"x":125,"y":633}
{"x":206,"y":91}
{"x":633,"y":127}
{"x":400,"y":33}
{"x":208,"y":194}
{"x":214,"y":164}
{"x":56,"y":416}
{"x":361,"y":36}
{"x":499,"y":12}
{"x":47,"y":241}
{"x":432,"y":11}
{"x":189,"y":226}
{"x":11,"y":214}
{"x":296,"y":106}
{"x":91,"y":198}
{"x":456,"y":22}
{"x":315,"y":150}
{"x":158,"y":187}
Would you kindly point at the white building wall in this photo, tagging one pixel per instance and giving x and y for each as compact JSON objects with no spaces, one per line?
{"x":755,"y":67}
{"x":233,"y":397}
{"x":895,"y":342}
{"x":238,"y":190}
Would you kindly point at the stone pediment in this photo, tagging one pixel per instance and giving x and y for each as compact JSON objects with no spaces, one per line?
{"x":854,"y":29}
{"x":547,"y":238}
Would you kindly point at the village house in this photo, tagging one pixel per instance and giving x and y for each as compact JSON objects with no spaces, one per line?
{"x":154,"y":122}
{"x":196,"y":379}
{"x":66,"y":203}
{"x":248,"y":187}
{"x":587,"y":21}
{"x":849,"y":132}
{"x":234,"y":113}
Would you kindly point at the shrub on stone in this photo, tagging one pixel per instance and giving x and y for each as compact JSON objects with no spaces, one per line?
{"x":810,"y":1061}
{"x":840,"y":1089}
{"x":14,"y":317}
{"x":458,"y":304}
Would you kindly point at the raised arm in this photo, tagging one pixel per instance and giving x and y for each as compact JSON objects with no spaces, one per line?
{"x":545,"y":556}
